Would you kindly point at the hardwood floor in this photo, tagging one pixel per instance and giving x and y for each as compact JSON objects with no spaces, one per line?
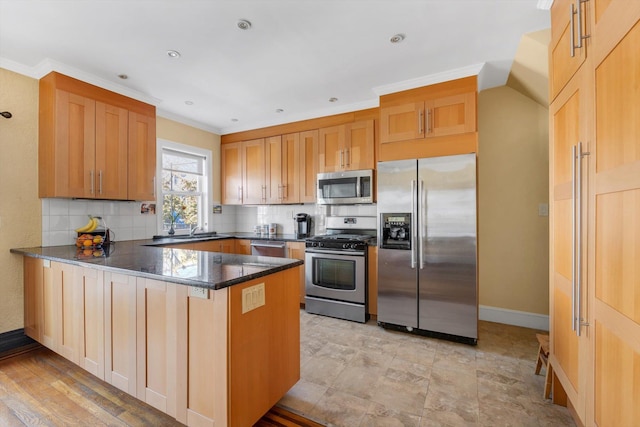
{"x":40,"y":388}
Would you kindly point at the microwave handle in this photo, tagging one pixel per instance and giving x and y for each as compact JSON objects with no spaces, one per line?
{"x":359,"y":187}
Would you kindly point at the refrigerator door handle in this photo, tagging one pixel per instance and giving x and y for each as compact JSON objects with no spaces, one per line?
{"x":413,"y":224}
{"x":423,"y":223}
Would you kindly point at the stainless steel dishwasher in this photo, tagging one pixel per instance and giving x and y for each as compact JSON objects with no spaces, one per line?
{"x":269,"y":248}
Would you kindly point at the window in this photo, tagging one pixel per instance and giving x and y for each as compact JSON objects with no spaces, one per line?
{"x":183,"y":187}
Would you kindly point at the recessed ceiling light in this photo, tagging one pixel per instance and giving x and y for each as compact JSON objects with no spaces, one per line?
{"x":234,"y":120}
{"x":173,"y":54}
{"x":333,"y":99}
{"x":397,"y":38}
{"x":243,"y":24}
{"x":123,"y":76}
{"x":188,"y":102}
{"x":279,"y":110}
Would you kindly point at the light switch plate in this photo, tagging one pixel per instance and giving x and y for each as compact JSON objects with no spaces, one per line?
{"x":197,"y":292}
{"x":46,"y":263}
{"x":253,"y":297}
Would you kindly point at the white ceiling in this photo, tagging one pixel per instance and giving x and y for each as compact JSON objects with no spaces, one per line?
{"x":297,"y":55}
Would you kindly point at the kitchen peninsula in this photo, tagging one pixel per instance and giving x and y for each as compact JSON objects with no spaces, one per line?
{"x":206,"y":337}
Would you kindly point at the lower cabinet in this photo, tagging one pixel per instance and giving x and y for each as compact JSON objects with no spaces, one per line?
{"x":201,"y":358}
{"x":296,"y":251}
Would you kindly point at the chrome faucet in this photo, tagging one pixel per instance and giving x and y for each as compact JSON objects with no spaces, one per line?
{"x":192,"y":229}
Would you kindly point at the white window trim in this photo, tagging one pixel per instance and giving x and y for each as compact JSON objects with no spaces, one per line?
{"x":207,"y":183}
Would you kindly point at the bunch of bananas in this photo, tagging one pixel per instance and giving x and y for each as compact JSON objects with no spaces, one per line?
{"x":90,"y":226}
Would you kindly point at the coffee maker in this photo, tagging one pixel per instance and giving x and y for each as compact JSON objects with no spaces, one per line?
{"x":302,"y":225}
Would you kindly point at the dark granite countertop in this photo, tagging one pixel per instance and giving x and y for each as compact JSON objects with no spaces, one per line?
{"x":212,"y":270}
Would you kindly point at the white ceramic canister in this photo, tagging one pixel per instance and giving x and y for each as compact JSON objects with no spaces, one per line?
{"x":273,"y":229}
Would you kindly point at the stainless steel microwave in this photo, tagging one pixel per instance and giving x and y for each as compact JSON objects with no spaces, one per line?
{"x":345,"y":188}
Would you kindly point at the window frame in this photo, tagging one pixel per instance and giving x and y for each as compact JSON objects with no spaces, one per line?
{"x":205,"y":211}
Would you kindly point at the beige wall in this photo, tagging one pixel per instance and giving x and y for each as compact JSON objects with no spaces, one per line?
{"x":20,"y":208}
{"x":177,"y":132}
{"x":513,"y":177}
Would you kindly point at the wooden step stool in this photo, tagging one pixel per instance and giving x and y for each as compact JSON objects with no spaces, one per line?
{"x":543,"y":359}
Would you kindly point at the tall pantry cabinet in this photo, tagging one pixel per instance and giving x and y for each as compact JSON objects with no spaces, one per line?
{"x":595,"y":209}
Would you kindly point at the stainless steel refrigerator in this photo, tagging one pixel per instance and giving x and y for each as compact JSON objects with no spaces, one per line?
{"x":427,"y":246}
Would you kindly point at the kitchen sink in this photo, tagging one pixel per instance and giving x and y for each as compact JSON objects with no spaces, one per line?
{"x":188,"y":237}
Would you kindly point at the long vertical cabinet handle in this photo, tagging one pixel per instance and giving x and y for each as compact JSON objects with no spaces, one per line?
{"x":420,"y":121}
{"x":573,"y":238}
{"x":572,"y":39}
{"x":413,"y":223}
{"x":341,"y":158}
{"x":429,"y":121}
{"x":423,"y":223}
{"x":100,"y":182}
{"x":579,"y":13}
{"x":92,"y":181}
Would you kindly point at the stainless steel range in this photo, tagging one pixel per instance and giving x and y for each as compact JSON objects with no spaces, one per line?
{"x":336,"y":268}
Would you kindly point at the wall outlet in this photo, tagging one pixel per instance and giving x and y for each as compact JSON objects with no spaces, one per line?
{"x":543,"y":209}
{"x":197,"y":292}
{"x":253,"y":297}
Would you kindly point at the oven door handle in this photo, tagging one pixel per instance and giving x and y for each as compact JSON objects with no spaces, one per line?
{"x":262,"y":245}
{"x":330,"y":252}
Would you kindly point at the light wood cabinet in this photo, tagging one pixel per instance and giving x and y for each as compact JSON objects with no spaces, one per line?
{"x":89,"y":285}
{"x":92,"y":142}
{"x":435,"y":120}
{"x":346,"y":147}
{"x":431,"y":118}
{"x":595,"y":361}
{"x":308,"y":166}
{"x":190,"y":356}
{"x":156,"y":344}
{"x":282,"y":169}
{"x":254,"y":189}
{"x":142,"y":157}
{"x":231,"y":173}
{"x":296,"y":250}
{"x":120,"y":331}
{"x":567,"y":25}
{"x":243,"y":247}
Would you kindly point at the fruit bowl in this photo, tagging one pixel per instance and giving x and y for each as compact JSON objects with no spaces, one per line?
{"x":90,"y":241}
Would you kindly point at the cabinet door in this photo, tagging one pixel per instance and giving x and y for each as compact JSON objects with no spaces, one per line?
{"x":120,"y":331}
{"x":202,"y":362}
{"x":67,"y":340}
{"x":33,"y":289}
{"x":308,"y":164}
{"x":564,"y":30}
{"x":156,"y":344}
{"x":331,"y":149}
{"x":296,"y":251}
{"x":402,"y":122}
{"x":569,"y":353}
{"x":112,"y":125}
{"x":142,"y":157}
{"x":359,"y":145}
{"x":74,"y":146}
{"x":291,"y":168}
{"x":243,"y":246}
{"x":275,"y":168}
{"x":616,"y":224}
{"x":227,"y":246}
{"x":90,"y":319}
{"x":253,"y":172}
{"x":231,"y":171}
{"x":450,"y":115}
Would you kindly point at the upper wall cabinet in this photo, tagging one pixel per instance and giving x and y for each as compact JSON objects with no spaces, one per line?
{"x":346,"y":147}
{"x":94,"y":143}
{"x":568,"y":47}
{"x":434,"y":120}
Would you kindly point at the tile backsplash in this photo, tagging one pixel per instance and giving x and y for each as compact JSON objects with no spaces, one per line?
{"x":60,"y":218}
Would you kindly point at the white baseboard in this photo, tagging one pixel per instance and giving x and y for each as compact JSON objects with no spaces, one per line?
{"x":514,"y":317}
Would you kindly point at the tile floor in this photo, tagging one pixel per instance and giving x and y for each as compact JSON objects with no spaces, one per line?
{"x":356,"y":374}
